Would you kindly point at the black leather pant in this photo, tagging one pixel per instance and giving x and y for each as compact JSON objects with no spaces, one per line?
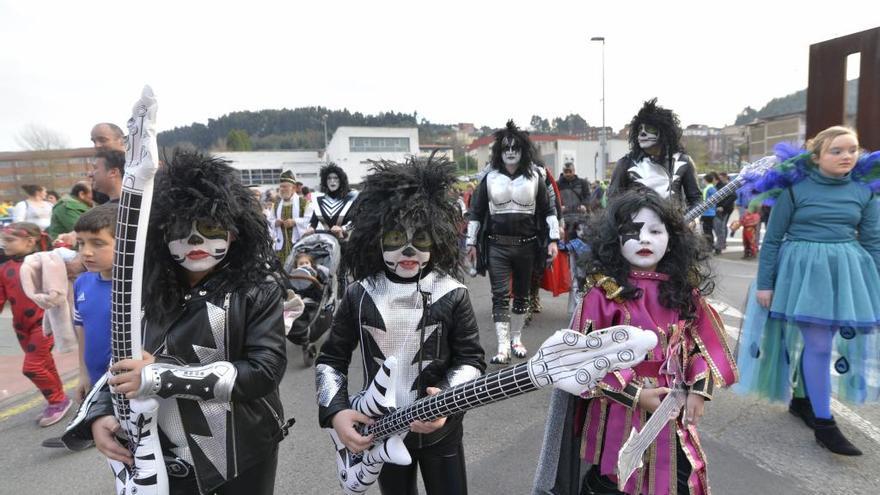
{"x":506,"y":262}
{"x":256,"y":480}
{"x":442,"y":467}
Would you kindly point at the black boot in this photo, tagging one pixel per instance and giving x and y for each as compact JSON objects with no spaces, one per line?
{"x":802,"y":408}
{"x":596,"y":484}
{"x":829,"y":436}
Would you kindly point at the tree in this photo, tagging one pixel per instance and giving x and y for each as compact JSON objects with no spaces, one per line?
{"x":35,"y":137}
{"x":238,"y":140}
{"x":540,"y":124}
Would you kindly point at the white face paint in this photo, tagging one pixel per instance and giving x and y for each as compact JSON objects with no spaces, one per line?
{"x":202,"y":249}
{"x":511,"y":153}
{"x":643,"y":241}
{"x":406,"y":253}
{"x":332,"y":182}
{"x":648,"y":136}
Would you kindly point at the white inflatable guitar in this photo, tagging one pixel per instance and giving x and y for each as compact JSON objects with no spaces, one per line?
{"x":568,"y":360}
{"x":137,"y":417}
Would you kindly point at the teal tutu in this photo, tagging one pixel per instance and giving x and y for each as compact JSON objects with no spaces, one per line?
{"x":769,"y":352}
{"x":833,"y":284}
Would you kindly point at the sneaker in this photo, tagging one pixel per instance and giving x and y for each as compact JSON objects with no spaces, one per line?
{"x":57,"y":443}
{"x":55,"y":413}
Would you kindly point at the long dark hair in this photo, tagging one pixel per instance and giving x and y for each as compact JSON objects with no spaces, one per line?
{"x":665,"y":120}
{"x":414,"y":193}
{"x":332,"y":168}
{"x":201,"y":187}
{"x":686,"y":261}
{"x":511,"y":131}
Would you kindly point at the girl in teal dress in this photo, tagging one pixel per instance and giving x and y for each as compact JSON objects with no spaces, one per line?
{"x":814,"y":311}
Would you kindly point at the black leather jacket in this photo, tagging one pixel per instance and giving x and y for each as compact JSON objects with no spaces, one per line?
{"x":678,"y":177}
{"x":452,"y":346}
{"x":254,"y":343}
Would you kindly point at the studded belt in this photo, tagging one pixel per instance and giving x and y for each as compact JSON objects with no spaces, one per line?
{"x":511,"y":240}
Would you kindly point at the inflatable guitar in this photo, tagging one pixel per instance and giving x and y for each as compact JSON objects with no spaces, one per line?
{"x":749,"y":172}
{"x":137,"y":417}
{"x":568,"y":360}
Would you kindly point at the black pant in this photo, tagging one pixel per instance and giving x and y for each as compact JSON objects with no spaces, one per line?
{"x":442,"y":468}
{"x":257,"y":480}
{"x":708,"y":224}
{"x":506,"y":262}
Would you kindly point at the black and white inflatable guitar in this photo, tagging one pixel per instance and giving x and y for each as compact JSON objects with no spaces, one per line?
{"x":568,"y":360}
{"x":137,"y":417}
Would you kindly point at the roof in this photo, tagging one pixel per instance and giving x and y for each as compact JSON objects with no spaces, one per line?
{"x":47,"y":155}
{"x":488,"y":140}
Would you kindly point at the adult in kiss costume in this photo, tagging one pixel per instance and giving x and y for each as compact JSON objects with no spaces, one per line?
{"x":331,"y":209}
{"x":646,"y":270}
{"x":406,"y":302}
{"x":656,"y":159}
{"x":511,"y":219}
{"x":213,"y":336}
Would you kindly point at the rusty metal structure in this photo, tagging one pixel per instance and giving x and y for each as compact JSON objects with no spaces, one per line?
{"x":826,"y":93}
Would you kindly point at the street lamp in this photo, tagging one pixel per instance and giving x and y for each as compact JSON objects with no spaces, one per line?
{"x":324,"y":118}
{"x":603,"y":142}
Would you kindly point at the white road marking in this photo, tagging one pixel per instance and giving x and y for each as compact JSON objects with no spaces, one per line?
{"x":724,"y":308}
{"x":839,"y":409}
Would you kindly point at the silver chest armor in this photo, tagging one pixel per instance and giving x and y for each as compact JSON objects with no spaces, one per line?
{"x":655,"y":176}
{"x":401,"y":308}
{"x":511,"y":196}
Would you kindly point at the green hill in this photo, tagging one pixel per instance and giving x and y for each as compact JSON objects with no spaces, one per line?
{"x":794,"y":103}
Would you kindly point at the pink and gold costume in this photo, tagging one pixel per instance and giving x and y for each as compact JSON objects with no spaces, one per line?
{"x":604,"y":422}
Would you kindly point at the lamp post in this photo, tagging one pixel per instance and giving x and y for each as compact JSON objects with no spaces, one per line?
{"x":324,"y":118}
{"x":603,"y":140}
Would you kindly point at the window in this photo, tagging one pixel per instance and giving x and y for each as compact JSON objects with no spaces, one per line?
{"x":378,"y":144}
{"x":260,"y":176}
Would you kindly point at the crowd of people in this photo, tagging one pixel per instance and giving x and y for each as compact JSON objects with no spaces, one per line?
{"x":217,"y":294}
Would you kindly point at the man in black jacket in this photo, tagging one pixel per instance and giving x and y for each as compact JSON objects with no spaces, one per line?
{"x":575,"y":194}
{"x":406,"y":303}
{"x":656,"y":159}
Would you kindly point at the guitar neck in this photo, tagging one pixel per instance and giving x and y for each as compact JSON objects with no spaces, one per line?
{"x":487,"y":389}
{"x":122,"y":345}
{"x":719,"y":196}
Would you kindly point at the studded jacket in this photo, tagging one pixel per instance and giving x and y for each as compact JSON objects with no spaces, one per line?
{"x":384,"y":317}
{"x":216,"y":322}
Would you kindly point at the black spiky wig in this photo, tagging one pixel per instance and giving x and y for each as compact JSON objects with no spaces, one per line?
{"x":665,"y":120}
{"x":332,"y":168}
{"x":198,"y":186}
{"x":415,"y":193}
{"x":686,"y":260}
{"x":511,"y":131}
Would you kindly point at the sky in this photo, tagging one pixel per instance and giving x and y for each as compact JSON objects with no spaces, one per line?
{"x":67,"y":65}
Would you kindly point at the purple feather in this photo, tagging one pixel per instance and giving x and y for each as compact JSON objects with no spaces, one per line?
{"x":787,"y":150}
{"x":867,"y":165}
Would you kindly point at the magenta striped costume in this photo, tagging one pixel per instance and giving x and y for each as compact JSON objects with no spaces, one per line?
{"x":608,"y":418}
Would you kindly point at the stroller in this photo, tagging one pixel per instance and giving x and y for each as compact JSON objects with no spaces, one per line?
{"x":317,"y":286}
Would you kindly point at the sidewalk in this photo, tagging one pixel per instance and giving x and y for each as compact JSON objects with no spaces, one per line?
{"x":15,"y":388}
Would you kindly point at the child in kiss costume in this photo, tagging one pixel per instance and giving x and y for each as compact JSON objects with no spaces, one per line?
{"x":649,"y":270}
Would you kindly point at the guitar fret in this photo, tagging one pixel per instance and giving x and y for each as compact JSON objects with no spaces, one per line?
{"x":485,"y":390}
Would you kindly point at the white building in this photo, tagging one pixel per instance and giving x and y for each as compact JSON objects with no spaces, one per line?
{"x":352,"y":147}
{"x":264,"y":167}
{"x":555,"y":150}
